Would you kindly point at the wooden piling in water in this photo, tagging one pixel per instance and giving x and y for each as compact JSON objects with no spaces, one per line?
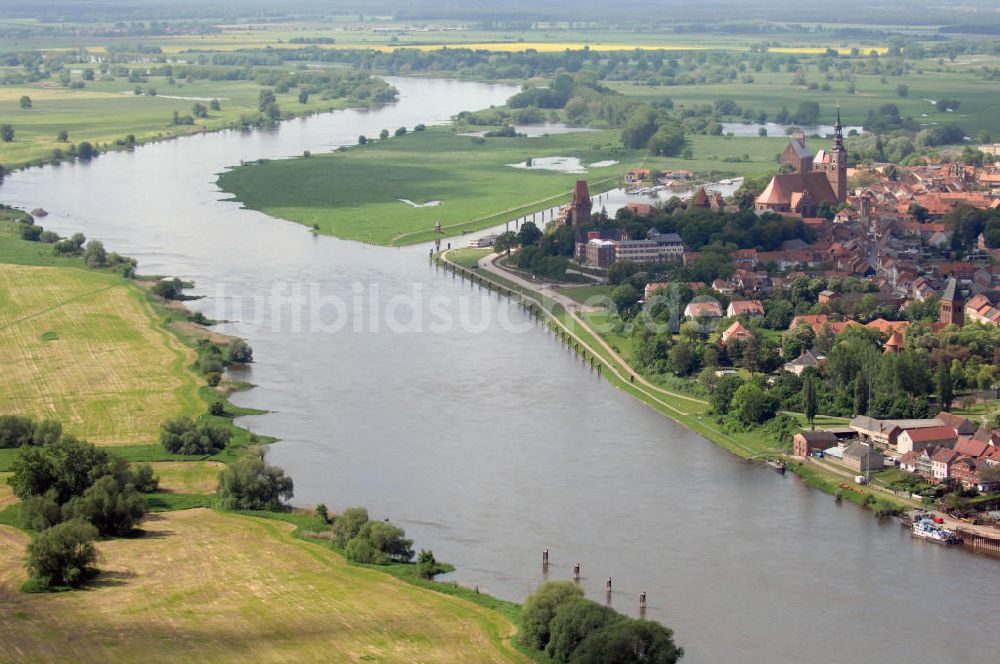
{"x":978,"y":542}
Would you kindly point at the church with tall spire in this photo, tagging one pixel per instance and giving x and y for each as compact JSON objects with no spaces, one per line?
{"x":809,"y":180}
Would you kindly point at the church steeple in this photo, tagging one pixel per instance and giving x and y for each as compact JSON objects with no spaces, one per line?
{"x":838,"y":133}
{"x":837,"y":171}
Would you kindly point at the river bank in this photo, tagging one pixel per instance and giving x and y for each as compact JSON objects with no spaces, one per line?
{"x":562,"y":313}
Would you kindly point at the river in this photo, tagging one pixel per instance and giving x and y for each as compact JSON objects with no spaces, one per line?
{"x":488,"y":442}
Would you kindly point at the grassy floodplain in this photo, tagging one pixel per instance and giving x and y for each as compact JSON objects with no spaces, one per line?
{"x":770,"y":91}
{"x":356,"y":194}
{"x":197,"y":587}
{"x":106,"y":111}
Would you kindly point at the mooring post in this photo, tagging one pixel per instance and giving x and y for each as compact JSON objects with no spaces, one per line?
{"x":642,"y":601}
{"x":545,"y":558}
{"x":576,"y":571}
{"x":607,"y":586}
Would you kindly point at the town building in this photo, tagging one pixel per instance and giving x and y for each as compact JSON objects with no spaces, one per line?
{"x":579,"y":209}
{"x":862,"y":457}
{"x":805,"y":443}
{"x":703,"y":310}
{"x":812,"y":182}
{"x":748,"y":308}
{"x":804,"y":361}
{"x":883,"y":433}
{"x":952,"y":305}
{"x":915,"y":439}
{"x":735,"y":332}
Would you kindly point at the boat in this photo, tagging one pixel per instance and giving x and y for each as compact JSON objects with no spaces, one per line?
{"x":776,"y":466}
{"x":933,"y":532}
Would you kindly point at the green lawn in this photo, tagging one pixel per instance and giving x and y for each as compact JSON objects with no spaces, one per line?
{"x":356,"y":194}
{"x":469,"y":256}
{"x":582,"y":293}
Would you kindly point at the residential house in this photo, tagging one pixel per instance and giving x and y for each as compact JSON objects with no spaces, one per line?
{"x":802,"y":362}
{"x":918,"y":461}
{"x":737,"y":332}
{"x":703,"y":309}
{"x":748,"y":308}
{"x":914,"y":438}
{"x":941,"y":463}
{"x":967,"y":472}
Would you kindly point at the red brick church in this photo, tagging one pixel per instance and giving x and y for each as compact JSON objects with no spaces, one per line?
{"x":812,"y":180}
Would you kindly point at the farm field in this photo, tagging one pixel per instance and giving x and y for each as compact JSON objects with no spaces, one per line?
{"x":196,"y":587}
{"x":84,"y":347}
{"x":106,"y":111}
{"x":356,"y":194}
{"x":770,"y":91}
{"x":193,"y":477}
{"x":349,"y":32}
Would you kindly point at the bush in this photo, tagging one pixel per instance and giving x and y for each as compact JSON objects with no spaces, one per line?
{"x":428,"y":566}
{"x":169,"y":289}
{"x":348,"y":524}
{"x":63,"y":554}
{"x":629,"y":641}
{"x":217,"y":409}
{"x":111,"y":507}
{"x":360,"y":550}
{"x":389,"y":540}
{"x":40,"y":512}
{"x":19,"y":430}
{"x":185,"y":436}
{"x":574,"y":620}
{"x":94,"y":255}
{"x":30,"y":232}
{"x":143,"y":479}
{"x":540,"y":608}
{"x":251,"y":484}
{"x":239,"y":351}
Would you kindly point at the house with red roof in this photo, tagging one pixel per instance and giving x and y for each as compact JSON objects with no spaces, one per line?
{"x":915,"y":439}
{"x":887,"y":326}
{"x":748,"y":308}
{"x":963,"y":426}
{"x":702,"y":310}
{"x":736,"y":331}
{"x":941,"y":463}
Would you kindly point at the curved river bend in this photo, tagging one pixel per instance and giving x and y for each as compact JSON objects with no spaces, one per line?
{"x":488,"y":443}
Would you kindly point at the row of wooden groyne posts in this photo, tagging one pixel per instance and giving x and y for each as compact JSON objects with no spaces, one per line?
{"x":526,"y":303}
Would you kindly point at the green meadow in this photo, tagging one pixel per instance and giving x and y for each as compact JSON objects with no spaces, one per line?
{"x":106,"y":111}
{"x":770,"y":91}
{"x":355,"y":194}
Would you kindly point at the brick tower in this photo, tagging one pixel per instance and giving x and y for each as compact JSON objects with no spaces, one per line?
{"x":952,"y":305}
{"x":581,"y":205}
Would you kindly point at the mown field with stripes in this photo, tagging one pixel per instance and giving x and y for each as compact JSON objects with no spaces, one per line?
{"x":85,"y":348}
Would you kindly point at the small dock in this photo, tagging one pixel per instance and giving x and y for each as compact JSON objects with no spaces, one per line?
{"x":979,"y":542}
